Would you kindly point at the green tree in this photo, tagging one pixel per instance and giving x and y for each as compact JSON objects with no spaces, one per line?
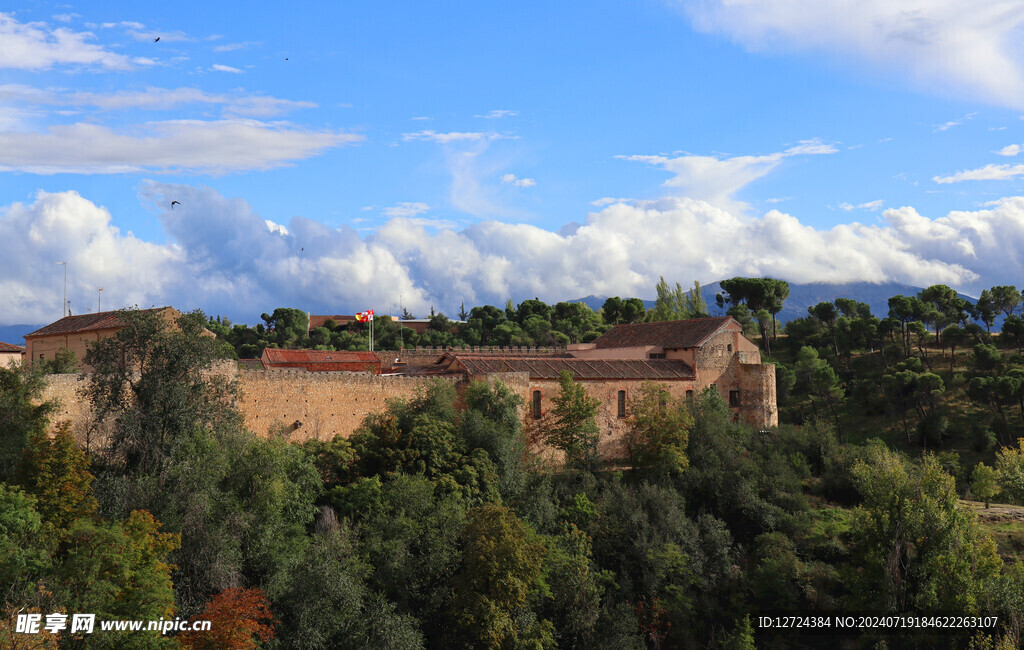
{"x":658,"y":431}
{"x":22,"y":415}
{"x":501,"y":566}
{"x":920,"y":550}
{"x":1010,"y":468}
{"x":821,"y":381}
{"x":26,"y":547}
{"x":1013,"y":332}
{"x":56,"y":472}
{"x":151,"y":380}
{"x":985,"y":482}
{"x":1006,"y":298}
{"x":574,"y":430}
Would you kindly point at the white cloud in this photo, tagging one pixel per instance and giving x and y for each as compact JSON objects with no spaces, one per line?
{"x":454,"y":136}
{"x":949,"y":125}
{"x":511,"y":179}
{"x":498,"y":114}
{"x":986,"y":173}
{"x":228,"y":259}
{"x":870,"y":205}
{"x":1010,"y":150}
{"x":35,"y":46}
{"x":225,"y":68}
{"x":969,"y":48}
{"x":152,"y":98}
{"x":717,"y":180}
{"x":406,"y":210}
{"x":152,"y":35}
{"x":65,"y":18}
{"x":231,"y":47}
{"x":608,"y":200}
{"x":203,"y":146}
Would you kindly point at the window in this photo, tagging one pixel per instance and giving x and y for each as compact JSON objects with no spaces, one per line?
{"x":536,"y":405}
{"x":728,"y":348}
{"x":656,"y":355}
{"x":689,"y":395}
{"x":734,"y":397}
{"x":622,"y":403}
{"x":41,"y":356}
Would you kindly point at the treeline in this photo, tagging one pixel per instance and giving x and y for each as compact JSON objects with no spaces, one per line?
{"x":432,"y":526}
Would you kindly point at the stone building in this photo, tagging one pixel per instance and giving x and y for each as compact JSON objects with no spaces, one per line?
{"x":77,"y":332}
{"x":686,"y":357}
{"x":10,"y":355}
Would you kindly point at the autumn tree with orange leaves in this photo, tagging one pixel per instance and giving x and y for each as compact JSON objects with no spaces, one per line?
{"x":239,"y":618}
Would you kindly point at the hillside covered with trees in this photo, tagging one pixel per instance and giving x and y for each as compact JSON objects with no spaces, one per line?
{"x":434,"y":526}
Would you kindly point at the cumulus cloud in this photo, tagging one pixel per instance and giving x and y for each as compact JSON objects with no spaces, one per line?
{"x":1010,"y":150}
{"x":511,"y":179}
{"x":964,"y":47}
{"x":225,"y":68}
{"x":716,"y":180}
{"x":236,"y":103}
{"x":223,"y":256}
{"x":216,"y":146}
{"x":35,"y":46}
{"x":986,"y":173}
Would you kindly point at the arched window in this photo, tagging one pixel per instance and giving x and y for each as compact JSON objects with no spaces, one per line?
{"x":536,"y":405}
{"x":622,"y":403}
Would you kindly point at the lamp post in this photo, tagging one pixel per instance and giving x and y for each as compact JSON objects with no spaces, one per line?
{"x":64,"y":305}
{"x":99,"y":299}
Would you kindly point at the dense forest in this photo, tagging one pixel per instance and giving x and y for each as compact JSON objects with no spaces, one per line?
{"x":434,"y":526}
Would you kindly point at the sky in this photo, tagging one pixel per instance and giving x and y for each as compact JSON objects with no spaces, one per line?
{"x":336,"y":157}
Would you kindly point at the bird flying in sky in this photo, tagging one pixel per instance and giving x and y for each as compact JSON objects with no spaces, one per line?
{"x":173,"y":203}
{"x":156,"y":39}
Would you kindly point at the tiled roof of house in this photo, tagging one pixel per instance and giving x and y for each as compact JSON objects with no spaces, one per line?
{"x":318,"y":320}
{"x":668,"y":334}
{"x":103,"y":320}
{"x":7,"y":347}
{"x":552,"y":367}
{"x":277,"y":355}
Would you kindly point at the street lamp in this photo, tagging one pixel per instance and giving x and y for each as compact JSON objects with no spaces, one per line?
{"x":99,"y":299}
{"x":64,"y":305}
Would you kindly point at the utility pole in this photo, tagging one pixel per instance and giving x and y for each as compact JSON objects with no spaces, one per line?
{"x":64,"y":304}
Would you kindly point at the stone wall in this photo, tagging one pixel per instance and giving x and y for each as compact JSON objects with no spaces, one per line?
{"x":316,"y":405}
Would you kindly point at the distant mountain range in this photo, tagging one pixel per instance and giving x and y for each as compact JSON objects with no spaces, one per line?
{"x":14,"y":334}
{"x":802,"y":296}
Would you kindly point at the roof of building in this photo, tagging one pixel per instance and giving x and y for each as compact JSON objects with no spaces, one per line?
{"x":552,"y":367}
{"x":104,"y":320}
{"x":278,"y":355}
{"x":676,"y":334}
{"x":318,"y":320}
{"x":7,"y":347}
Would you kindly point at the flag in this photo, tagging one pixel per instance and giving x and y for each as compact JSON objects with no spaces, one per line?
{"x":364,"y":316}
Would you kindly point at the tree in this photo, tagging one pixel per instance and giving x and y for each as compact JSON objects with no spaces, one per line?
{"x":501,"y":565}
{"x":65,"y":361}
{"x":694,"y":305}
{"x":920,"y":550}
{"x":574,"y":430}
{"x":1005,"y":298}
{"x":821,"y":381}
{"x":985,"y":483}
{"x":239,"y":620}
{"x":1013,"y":331}
{"x":986,"y":309}
{"x":22,"y":415}
{"x":25,"y":547}
{"x":56,"y":473}
{"x":1010,"y":468}
{"x":658,"y":431}
{"x":954,"y":336}
{"x":151,"y":379}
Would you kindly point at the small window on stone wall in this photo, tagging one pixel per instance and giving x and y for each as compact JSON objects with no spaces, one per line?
{"x":622,"y":403}
{"x":729,"y":347}
{"x":536,"y":405}
{"x":734,"y":397}
{"x":689,"y":395}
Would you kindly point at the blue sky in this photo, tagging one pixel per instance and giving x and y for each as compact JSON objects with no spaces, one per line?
{"x":337,"y":157}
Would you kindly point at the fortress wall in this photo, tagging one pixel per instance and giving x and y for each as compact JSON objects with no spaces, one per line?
{"x":322,"y":404}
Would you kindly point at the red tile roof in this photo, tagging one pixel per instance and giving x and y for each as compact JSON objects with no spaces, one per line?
{"x":104,"y":320}
{"x":677,"y":334}
{"x":552,"y":367}
{"x":7,"y":347}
